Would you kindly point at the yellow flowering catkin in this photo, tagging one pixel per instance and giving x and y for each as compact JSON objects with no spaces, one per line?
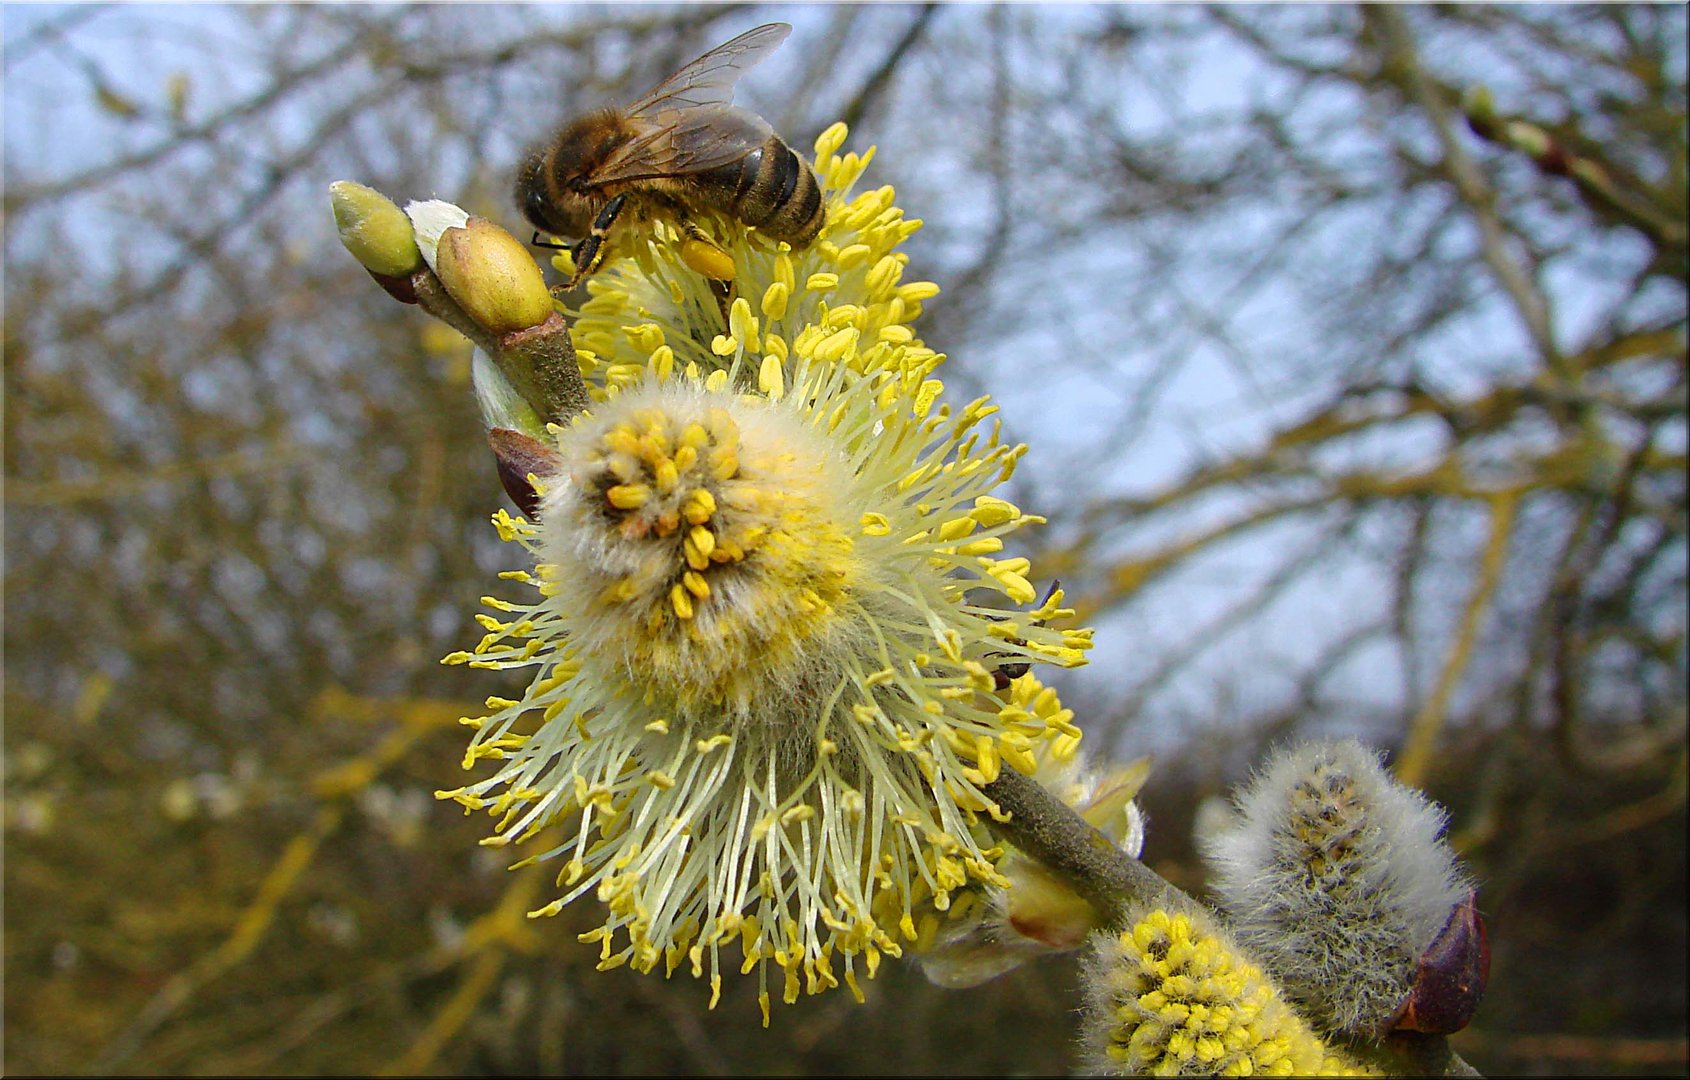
{"x":770,"y":659}
{"x":1172,"y":996}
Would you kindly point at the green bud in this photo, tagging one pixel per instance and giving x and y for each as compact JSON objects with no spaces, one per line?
{"x":1528,"y":138}
{"x":492,"y":277}
{"x":374,"y":229}
{"x":1479,"y":104}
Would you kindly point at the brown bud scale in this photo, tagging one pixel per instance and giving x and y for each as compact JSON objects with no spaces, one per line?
{"x":1451,"y":976}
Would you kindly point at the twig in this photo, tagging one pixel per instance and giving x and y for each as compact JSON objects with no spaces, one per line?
{"x":1429,"y":721}
{"x":1402,"y":65}
{"x":1042,"y":826}
{"x":1119,"y":886}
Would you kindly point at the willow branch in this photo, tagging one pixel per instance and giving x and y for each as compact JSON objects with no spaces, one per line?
{"x":539,"y":360}
{"x":1423,"y":731}
{"x":1403,"y":66}
{"x":1042,"y":827}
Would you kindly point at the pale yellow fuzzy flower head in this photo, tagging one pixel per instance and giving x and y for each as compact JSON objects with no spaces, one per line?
{"x":772,"y":598}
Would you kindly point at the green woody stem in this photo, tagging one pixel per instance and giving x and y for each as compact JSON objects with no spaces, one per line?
{"x":539,"y":360}
{"x":1042,"y":826}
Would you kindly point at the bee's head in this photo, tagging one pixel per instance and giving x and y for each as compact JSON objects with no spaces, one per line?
{"x":555,"y":185}
{"x":534,"y":199}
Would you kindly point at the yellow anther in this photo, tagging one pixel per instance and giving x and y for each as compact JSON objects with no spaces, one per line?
{"x":771,"y":379}
{"x":663,"y":363}
{"x":882,"y":276}
{"x":646,"y":337}
{"x":668,"y":477}
{"x":699,"y":506}
{"x":957,"y":528}
{"x":989,"y":511}
{"x":681,"y":602}
{"x":774,"y":300}
{"x":829,"y":142}
{"x":741,"y":323}
{"x":837,"y":344}
{"x":628,"y":496}
{"x":852,"y":254}
{"x":695,"y":584}
{"x":618,"y":593}
{"x":702,"y":539}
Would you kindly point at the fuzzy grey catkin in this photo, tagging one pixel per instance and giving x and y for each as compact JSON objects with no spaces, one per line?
{"x":1336,"y":878}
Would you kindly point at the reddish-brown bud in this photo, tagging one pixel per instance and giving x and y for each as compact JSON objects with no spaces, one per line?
{"x":1452,"y":975}
{"x":518,"y":457}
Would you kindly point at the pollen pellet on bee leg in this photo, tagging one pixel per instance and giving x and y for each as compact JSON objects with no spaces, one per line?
{"x":703,"y":257}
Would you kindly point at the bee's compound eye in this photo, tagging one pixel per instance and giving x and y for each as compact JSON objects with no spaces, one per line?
{"x":534,"y":205}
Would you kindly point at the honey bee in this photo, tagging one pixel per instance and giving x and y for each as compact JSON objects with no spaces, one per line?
{"x":681,"y":147}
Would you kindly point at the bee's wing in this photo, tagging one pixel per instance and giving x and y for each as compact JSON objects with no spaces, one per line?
{"x":693,"y":141}
{"x":688,"y":124}
{"x":710,"y":79}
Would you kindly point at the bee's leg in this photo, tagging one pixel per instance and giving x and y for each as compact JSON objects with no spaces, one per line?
{"x":724,"y":292}
{"x":589,"y":253}
{"x":706,"y":258}
{"x":704,"y":262}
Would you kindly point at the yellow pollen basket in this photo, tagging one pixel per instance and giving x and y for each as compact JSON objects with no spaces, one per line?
{"x":703,"y":257}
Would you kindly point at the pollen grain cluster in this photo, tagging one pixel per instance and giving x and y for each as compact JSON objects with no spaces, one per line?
{"x":707,"y":538}
{"x":1171,"y":996}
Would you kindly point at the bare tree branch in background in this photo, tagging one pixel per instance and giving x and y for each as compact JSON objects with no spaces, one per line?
{"x":1351,"y":343}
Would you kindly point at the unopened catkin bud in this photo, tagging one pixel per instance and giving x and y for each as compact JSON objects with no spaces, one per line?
{"x":1336,"y":878}
{"x":492,"y":277}
{"x":374,"y":229}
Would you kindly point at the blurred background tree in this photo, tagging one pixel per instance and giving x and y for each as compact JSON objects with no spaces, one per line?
{"x":1350,"y":344}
